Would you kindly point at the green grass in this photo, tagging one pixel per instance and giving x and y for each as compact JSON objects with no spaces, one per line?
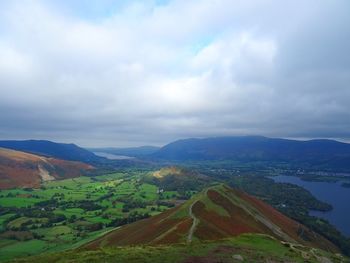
{"x":18,"y":201}
{"x":70,"y":211}
{"x":69,"y":183}
{"x":211,"y":206}
{"x":59,"y":230}
{"x":6,"y":242}
{"x":170,"y":194}
{"x":4,"y":218}
{"x":18,"y":222}
{"x":15,"y":192}
{"x":252,"y":247}
{"x":147,"y":192}
{"x":261,"y":242}
{"x":98,"y":219}
{"x":21,"y":249}
{"x":110,"y":177}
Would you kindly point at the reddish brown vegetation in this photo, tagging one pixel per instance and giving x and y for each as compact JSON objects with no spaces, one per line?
{"x":68,"y":169}
{"x":160,"y":229}
{"x":238,"y":221}
{"x":11,"y":176}
{"x":19,"y":169}
{"x":289,"y":226}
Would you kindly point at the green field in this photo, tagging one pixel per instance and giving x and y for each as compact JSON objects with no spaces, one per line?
{"x":67,"y":213}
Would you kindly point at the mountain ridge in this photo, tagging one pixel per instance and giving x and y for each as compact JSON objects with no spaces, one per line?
{"x":65,"y":151}
{"x":321,"y":153}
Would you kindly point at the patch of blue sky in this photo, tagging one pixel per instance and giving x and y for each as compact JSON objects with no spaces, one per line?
{"x":161,"y":2}
{"x":89,"y":9}
{"x":201,"y":44}
{"x":99,"y":9}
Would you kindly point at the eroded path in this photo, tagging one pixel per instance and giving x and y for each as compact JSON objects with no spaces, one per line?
{"x":44,"y":174}
{"x":195,"y":222}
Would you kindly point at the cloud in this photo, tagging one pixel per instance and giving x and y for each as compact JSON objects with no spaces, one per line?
{"x":148,"y":72}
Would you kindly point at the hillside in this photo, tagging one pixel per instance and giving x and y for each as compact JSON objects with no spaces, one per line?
{"x":219,"y":224}
{"x":62,"y":151}
{"x":320,"y":153}
{"x":20,"y":169}
{"x":244,"y":248}
{"x":177,"y":179}
{"x":216,"y":213}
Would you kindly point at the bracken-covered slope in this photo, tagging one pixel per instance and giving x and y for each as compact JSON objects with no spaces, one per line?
{"x":216,"y":213}
{"x":20,"y":169}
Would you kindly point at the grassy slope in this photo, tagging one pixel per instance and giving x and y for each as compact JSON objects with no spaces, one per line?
{"x":251,"y":247}
{"x":13,"y":249}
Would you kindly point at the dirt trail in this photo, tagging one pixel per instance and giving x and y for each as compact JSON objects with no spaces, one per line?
{"x":194,"y":218}
{"x":194,"y":223}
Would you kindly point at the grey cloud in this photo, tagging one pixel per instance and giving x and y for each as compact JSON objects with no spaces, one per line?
{"x":148,"y":74}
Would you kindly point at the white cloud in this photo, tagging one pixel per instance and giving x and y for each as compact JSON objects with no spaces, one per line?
{"x":152,"y":73}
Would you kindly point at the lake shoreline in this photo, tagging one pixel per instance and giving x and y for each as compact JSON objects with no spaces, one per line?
{"x":332,"y":193}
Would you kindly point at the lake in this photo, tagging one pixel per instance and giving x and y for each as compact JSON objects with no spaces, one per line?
{"x":332,"y":193}
{"x":113,"y":156}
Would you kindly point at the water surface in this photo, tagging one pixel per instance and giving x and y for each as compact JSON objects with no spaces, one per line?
{"x":332,"y":193}
{"x":113,"y":156}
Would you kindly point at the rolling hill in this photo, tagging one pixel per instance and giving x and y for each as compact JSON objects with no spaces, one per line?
{"x":216,"y":213}
{"x":62,"y":151}
{"x":320,"y":153}
{"x":219,"y":224}
{"x":20,"y":169}
{"x":177,"y":179}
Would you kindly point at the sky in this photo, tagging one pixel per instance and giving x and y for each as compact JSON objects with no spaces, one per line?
{"x":127,"y":73}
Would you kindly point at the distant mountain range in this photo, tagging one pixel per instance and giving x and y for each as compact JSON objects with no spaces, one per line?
{"x":20,"y":169}
{"x":318,"y":153}
{"x":63,"y":151}
{"x":130,"y":151}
